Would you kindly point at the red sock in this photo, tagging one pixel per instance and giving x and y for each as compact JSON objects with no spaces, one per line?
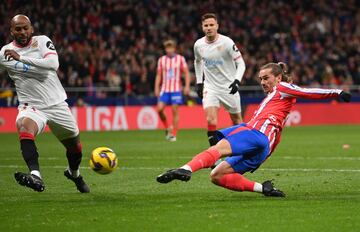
{"x":174,"y":131}
{"x":236,"y":182}
{"x":211,"y":127}
{"x":204,"y":159}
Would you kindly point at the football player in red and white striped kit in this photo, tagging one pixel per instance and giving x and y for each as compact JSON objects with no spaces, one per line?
{"x":248,"y":145}
{"x":170,"y":68}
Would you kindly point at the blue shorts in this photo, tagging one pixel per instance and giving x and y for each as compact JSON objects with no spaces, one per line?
{"x":250,"y":147}
{"x":171,"y":98}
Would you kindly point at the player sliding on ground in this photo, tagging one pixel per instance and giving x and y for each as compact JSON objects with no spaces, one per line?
{"x":247,"y":146}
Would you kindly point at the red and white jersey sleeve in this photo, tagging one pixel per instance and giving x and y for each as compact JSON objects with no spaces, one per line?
{"x":291,"y":90}
{"x":171,"y":69}
{"x":35,"y":76}
{"x":271,"y":114}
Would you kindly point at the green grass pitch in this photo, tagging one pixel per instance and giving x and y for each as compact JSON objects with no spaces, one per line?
{"x":320,"y":178}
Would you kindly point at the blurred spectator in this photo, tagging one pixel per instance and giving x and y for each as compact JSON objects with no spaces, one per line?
{"x":115,"y":43}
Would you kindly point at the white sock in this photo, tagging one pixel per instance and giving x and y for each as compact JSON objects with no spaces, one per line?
{"x":36,"y":173}
{"x":258,"y":187}
{"x":186,"y":167}
{"x":74,"y":173}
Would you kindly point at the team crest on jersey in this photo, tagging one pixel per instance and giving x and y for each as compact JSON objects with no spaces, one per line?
{"x":50,"y":45}
{"x":220,"y":48}
{"x":34,"y":44}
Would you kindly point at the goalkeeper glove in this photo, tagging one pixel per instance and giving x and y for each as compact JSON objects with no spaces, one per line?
{"x":199,"y":90}
{"x":234,"y":86}
{"x":345,"y":96}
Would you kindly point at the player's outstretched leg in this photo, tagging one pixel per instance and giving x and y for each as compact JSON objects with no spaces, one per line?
{"x":270,"y":191}
{"x":74,"y":155}
{"x":204,"y":159}
{"x":225,"y":176}
{"x":30,"y":181}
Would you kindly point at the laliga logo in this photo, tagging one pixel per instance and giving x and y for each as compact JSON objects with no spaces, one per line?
{"x":147,"y":118}
{"x":293,"y":118}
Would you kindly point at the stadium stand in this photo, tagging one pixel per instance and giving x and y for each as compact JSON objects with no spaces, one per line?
{"x":116,"y":44}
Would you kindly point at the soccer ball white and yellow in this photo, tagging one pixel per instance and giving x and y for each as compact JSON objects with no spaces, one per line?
{"x":103,"y":160}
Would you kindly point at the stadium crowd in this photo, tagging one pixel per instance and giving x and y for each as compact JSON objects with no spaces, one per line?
{"x":116,"y":44}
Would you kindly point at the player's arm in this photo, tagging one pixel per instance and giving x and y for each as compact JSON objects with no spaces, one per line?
{"x":290,"y":90}
{"x":235,"y":54}
{"x":49,"y":58}
{"x":50,"y":61}
{"x":157,"y":80}
{"x":198,"y":66}
{"x":186,"y":75}
{"x":2,"y":58}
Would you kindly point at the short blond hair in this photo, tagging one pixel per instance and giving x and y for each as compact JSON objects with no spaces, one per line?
{"x":169,"y":43}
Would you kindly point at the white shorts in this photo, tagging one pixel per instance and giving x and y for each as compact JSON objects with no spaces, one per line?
{"x":58,"y":117}
{"x":231,"y":102}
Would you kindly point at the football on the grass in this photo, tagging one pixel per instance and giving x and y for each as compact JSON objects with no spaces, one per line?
{"x":103,"y":160}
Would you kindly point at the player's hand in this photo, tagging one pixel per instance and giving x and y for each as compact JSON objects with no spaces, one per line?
{"x":11,"y":54}
{"x":199,"y":90}
{"x":235,"y":86}
{"x":345,"y":96}
{"x":157,"y":93}
{"x":186,"y":91}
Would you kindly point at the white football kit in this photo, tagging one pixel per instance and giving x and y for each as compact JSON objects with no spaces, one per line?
{"x":221,"y":63}
{"x":40,"y":93}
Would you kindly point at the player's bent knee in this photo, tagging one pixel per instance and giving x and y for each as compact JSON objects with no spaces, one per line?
{"x":215,"y":176}
{"x":27,"y":125}
{"x":160,"y":110}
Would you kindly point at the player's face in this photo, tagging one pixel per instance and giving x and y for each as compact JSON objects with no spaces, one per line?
{"x":267,"y":80}
{"x":21,"y":30}
{"x":170,"y":50}
{"x":210,"y":27}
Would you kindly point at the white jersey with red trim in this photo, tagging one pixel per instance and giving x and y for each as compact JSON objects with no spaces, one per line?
{"x":271,"y":114}
{"x":35,"y":77}
{"x":220,"y":61}
{"x":170,"y":69}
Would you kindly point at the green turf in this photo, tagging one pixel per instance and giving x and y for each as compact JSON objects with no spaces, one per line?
{"x":320,"y":178}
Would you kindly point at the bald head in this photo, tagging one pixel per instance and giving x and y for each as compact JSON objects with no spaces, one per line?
{"x":20,"y":19}
{"x":21,"y":29}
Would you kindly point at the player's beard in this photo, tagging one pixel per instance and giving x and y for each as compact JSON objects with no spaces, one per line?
{"x":23,"y":41}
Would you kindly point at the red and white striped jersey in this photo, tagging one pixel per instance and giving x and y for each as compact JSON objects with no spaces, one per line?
{"x":170,"y":70}
{"x":271,"y":115}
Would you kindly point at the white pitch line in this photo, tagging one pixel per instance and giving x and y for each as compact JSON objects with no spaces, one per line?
{"x":189,"y":157}
{"x":320,"y":158}
{"x":162,"y":168}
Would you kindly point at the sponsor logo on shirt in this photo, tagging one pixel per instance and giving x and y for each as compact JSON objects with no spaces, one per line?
{"x":212,"y":63}
{"x":22,"y":67}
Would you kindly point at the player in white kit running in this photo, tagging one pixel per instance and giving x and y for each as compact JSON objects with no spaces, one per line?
{"x":219,"y":68}
{"x":32,"y":62}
